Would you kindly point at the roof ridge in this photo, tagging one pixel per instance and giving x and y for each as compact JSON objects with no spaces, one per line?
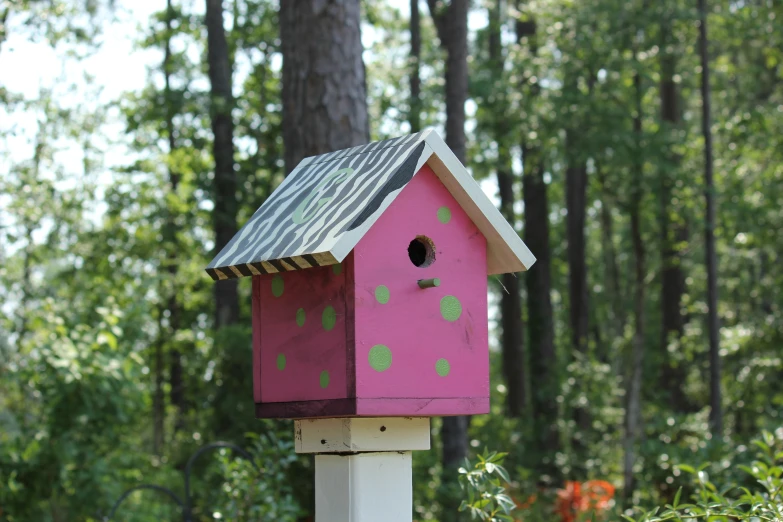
{"x":368,"y":147}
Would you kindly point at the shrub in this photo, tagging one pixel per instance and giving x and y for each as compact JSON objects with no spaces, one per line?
{"x":484,"y":483}
{"x":763,"y":502}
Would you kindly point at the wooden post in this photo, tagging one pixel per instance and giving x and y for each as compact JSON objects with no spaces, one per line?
{"x":363,"y":466}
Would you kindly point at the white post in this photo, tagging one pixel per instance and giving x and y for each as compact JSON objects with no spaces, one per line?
{"x":363,"y":466}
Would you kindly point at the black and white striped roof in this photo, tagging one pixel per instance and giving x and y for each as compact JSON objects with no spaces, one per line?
{"x":326,"y":205}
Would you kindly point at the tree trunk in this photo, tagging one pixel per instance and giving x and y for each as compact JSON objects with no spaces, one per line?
{"x":512,"y":338}
{"x":324,"y":88}
{"x":613,"y":286}
{"x":576,"y":208}
{"x":176,"y":390}
{"x":543,"y":357}
{"x":158,"y":397}
{"x":225,"y":182}
{"x":713,"y":327}
{"x":576,"y":205}
{"x":414,"y":118}
{"x":451,"y":23}
{"x":674,"y":232}
{"x":633,"y":409}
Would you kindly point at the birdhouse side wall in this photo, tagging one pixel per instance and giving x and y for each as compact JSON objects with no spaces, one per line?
{"x":421,"y":350}
{"x":299,"y":335}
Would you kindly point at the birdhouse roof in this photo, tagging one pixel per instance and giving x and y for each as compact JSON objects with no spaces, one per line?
{"x":329,"y":202}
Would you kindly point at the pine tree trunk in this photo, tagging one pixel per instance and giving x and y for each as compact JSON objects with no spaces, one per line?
{"x":324,"y":87}
{"x":576,"y":208}
{"x":225,"y":182}
{"x":674,"y":232}
{"x":543,"y":358}
{"x":713,"y":327}
{"x":451,"y":23}
{"x":176,"y":384}
{"x":633,"y":407}
{"x":414,"y":118}
{"x":613,"y":286}
{"x":540,"y":326}
{"x":512,"y":337}
{"x":576,"y":205}
{"x":158,"y":397}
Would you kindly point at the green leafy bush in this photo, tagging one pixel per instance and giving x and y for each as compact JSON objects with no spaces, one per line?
{"x":760,"y":502}
{"x":484,"y":483}
{"x":261,"y":490}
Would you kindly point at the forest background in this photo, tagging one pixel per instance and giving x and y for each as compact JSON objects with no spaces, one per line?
{"x":636,"y":149}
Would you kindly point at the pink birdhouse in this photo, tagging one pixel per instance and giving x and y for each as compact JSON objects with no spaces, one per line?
{"x":369,"y":270}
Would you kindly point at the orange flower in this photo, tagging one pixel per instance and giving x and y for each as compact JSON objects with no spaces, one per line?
{"x":575,"y":498}
{"x":599,"y":494}
{"x":569,"y":501}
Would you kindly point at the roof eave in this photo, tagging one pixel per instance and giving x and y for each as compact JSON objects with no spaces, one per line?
{"x":506,"y":252}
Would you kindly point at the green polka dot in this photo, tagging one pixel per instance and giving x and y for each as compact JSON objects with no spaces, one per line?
{"x":450,"y":308}
{"x":324,"y":379}
{"x":281,"y":362}
{"x":442,"y":367}
{"x":337,"y":269}
{"x":444,"y":215}
{"x":277,"y":286}
{"x":300,"y":317}
{"x":382,"y":294}
{"x":380,"y":358}
{"x":328,"y":318}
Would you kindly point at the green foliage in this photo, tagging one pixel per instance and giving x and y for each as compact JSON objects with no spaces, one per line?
{"x":262,"y":491}
{"x":91,"y":227}
{"x":484,"y":485}
{"x":387,"y":60}
{"x":761,"y":500}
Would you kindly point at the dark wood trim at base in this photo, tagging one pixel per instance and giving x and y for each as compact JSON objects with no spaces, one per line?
{"x":306,"y":409}
{"x":374,"y":407}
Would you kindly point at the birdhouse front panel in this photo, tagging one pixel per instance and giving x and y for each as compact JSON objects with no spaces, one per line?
{"x":422,"y":348}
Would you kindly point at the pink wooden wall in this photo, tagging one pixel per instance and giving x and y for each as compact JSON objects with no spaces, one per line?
{"x":431,"y":357}
{"x":300,"y":354}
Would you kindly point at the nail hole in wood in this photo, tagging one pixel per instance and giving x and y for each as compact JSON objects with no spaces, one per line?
{"x":323,"y":441}
{"x":383,"y":428}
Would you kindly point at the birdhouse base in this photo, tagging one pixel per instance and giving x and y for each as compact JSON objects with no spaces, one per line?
{"x":363,"y":466}
{"x":429,"y":406}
